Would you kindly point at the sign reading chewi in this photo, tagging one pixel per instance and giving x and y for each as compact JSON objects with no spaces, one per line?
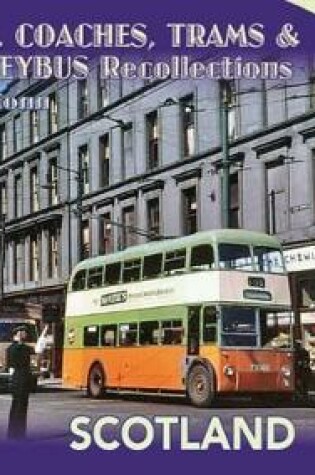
{"x":300,"y":258}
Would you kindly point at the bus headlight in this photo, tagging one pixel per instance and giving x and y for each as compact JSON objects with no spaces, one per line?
{"x":286,"y":371}
{"x":229,"y":371}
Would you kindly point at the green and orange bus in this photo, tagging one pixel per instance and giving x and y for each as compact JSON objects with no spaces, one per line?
{"x":198,"y":315}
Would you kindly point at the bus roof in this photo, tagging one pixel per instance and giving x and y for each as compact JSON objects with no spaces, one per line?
{"x":233,"y":236}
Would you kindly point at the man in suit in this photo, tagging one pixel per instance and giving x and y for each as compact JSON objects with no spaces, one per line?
{"x":19,"y":364}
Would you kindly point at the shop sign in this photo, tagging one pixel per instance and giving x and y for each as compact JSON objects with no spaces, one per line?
{"x":300,"y":259}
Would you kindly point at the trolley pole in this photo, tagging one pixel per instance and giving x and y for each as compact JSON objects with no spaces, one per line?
{"x":225,"y":190}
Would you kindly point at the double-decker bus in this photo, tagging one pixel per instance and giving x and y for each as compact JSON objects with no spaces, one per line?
{"x":197,"y":315}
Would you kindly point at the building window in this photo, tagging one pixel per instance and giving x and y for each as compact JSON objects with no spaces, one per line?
{"x":84,"y":163}
{"x":18,"y":261}
{"x":189,"y":197}
{"x":53,"y":113}
{"x":34,"y":259}
{"x":188,"y":125}
{"x":34,"y":126}
{"x":103,"y":91}
{"x":53,"y":253}
{"x":234,"y":204}
{"x":3,"y":143}
{"x":3,"y":200}
{"x":83,"y":99}
{"x":104,"y":160}
{"x":152,"y":128}
{"x":86,"y":248}
{"x":52,"y":180}
{"x":276,"y":190}
{"x":128,"y":227}
{"x":128,"y":164}
{"x":229,"y":94}
{"x":34,"y":190}
{"x":312,"y":91}
{"x":264,"y":103}
{"x":153,"y":218}
{"x":106,"y":234}
{"x":17,"y":133}
{"x":18,"y":196}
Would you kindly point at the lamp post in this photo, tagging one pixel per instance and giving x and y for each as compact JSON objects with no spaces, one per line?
{"x":225,"y":191}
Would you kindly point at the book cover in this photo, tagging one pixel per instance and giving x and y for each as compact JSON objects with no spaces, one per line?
{"x":157,"y":165}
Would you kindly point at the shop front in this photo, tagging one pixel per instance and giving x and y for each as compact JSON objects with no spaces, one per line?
{"x":300,"y":263}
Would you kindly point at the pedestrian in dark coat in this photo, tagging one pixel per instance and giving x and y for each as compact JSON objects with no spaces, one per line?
{"x":19,"y":364}
{"x":302,"y":370}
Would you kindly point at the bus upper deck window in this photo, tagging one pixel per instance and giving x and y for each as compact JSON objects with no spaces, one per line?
{"x":95,"y":277}
{"x":174,"y":261}
{"x":78,"y":282}
{"x":201,"y":257}
{"x":268,"y":259}
{"x":132,"y":270}
{"x":152,"y":266}
{"x":235,"y":256}
{"x":112,"y":273}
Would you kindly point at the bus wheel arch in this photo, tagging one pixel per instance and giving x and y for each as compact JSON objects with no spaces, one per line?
{"x":201,"y":383}
{"x":96,"y":380}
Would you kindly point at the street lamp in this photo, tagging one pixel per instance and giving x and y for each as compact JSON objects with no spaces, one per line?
{"x":226,"y":92}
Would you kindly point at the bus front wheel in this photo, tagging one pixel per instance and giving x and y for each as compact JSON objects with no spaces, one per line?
{"x":200,"y":386}
{"x":96,"y":382}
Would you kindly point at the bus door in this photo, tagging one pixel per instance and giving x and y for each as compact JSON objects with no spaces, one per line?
{"x":193,"y":331}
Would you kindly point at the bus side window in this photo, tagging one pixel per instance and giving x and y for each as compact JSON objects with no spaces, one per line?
{"x":202,"y":257}
{"x":91,"y":335}
{"x":109,"y":335}
{"x":112,"y":273}
{"x":95,"y":277}
{"x":175,"y":261}
{"x":132,"y":271}
{"x":149,"y":333}
{"x":152,"y":266}
{"x":128,"y":333}
{"x":78,"y":282}
{"x":209,"y":325}
{"x":172,"y":332}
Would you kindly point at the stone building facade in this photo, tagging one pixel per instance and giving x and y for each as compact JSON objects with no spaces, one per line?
{"x":108,"y":164}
